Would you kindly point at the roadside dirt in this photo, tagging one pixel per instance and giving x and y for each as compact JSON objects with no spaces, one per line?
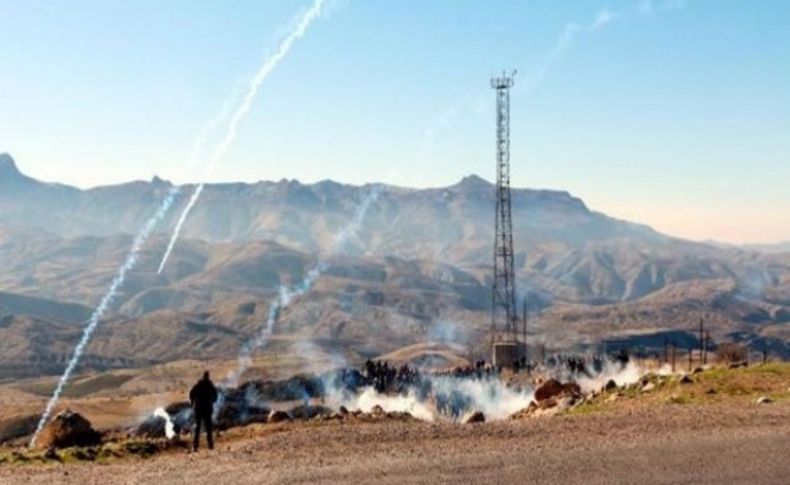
{"x":669,"y":443}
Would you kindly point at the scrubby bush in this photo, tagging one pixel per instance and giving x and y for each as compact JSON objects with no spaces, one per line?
{"x":732,"y":352}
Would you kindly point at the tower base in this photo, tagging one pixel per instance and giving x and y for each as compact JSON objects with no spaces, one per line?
{"x":506,"y":354}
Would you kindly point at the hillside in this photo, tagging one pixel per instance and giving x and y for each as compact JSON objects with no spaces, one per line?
{"x":417,"y":269}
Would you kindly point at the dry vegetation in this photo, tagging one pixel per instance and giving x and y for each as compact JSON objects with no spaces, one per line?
{"x":726,"y":398}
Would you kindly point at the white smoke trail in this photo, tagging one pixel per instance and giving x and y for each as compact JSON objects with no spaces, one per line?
{"x":106,"y":301}
{"x":286,"y":295}
{"x":195,"y":152}
{"x":246,"y":103}
{"x":170,"y":431}
{"x":602,"y":19}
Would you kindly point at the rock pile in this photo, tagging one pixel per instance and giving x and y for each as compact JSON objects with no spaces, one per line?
{"x":68,"y":429}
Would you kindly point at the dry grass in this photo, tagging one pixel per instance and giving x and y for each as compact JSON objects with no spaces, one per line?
{"x":717,"y":385}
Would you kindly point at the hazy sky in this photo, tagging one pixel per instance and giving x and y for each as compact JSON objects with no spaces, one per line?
{"x":672,"y":113}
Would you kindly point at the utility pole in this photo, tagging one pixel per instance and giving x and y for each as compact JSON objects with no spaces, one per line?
{"x":701,"y":336}
{"x":707,"y":346}
{"x":524,"y":315}
{"x":666,"y":351}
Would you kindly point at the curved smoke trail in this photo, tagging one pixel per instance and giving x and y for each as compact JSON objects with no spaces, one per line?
{"x":286,"y":295}
{"x":93,"y":322}
{"x":246,"y":103}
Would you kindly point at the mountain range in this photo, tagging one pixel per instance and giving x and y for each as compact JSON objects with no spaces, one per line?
{"x":416,"y":268}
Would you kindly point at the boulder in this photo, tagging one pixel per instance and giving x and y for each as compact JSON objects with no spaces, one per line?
{"x":401,"y":415}
{"x":548,"y":403}
{"x":309,"y":411}
{"x":178,"y":407}
{"x":686,"y":379}
{"x":764,"y":400}
{"x":473,"y":417}
{"x":151,"y":428}
{"x":553,"y":388}
{"x":526,"y":412}
{"x":278,"y":417}
{"x":610,"y":384}
{"x":240,"y":407}
{"x":68,"y":429}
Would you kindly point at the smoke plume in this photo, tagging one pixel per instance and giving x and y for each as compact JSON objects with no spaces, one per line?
{"x":169,"y":428}
{"x":106,"y":301}
{"x":622,"y":375}
{"x":246,"y":103}
{"x":286,"y":295}
{"x":603,"y":19}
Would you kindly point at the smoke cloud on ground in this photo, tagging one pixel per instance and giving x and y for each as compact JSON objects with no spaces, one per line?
{"x":104,"y":304}
{"x":622,"y":375}
{"x":450,"y":399}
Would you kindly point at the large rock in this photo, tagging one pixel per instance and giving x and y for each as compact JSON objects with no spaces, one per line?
{"x":241,"y":406}
{"x":152,"y":428}
{"x":278,"y":417}
{"x":309,"y":411}
{"x":473,"y":417}
{"x":68,"y":429}
{"x":526,"y":412}
{"x":553,"y":388}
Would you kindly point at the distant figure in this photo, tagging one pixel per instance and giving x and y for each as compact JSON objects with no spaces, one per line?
{"x":202,"y":397}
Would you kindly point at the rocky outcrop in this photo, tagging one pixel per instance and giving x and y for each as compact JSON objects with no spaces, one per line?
{"x":68,"y":429}
{"x":553,"y":388}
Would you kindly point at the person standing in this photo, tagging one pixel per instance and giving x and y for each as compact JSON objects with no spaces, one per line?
{"x":202,"y":397}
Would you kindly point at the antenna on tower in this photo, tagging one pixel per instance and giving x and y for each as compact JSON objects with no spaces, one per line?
{"x":504,"y":315}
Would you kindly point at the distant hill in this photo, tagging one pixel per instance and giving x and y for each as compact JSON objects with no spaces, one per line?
{"x":417,"y":269}
{"x":782,"y":247}
{"x":12,"y":304}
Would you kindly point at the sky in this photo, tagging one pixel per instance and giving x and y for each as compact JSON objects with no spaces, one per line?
{"x":673,"y":113}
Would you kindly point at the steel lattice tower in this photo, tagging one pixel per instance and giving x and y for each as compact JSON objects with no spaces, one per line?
{"x":504,"y":317}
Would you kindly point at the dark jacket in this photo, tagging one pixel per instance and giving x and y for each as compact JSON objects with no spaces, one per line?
{"x":203,"y":396}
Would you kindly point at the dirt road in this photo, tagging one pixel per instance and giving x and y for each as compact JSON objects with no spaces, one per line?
{"x":671,"y":444}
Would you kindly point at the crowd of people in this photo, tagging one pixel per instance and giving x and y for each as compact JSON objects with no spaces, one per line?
{"x":387,"y":378}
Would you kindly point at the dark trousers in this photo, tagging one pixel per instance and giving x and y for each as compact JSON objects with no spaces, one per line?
{"x":205,"y":420}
